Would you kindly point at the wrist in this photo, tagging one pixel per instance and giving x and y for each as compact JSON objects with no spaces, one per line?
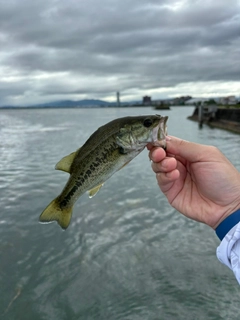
{"x":227,"y":224}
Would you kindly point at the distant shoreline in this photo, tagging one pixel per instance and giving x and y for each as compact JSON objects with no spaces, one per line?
{"x":83,"y":107}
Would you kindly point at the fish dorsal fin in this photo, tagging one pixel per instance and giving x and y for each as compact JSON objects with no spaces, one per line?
{"x":94,"y":190}
{"x":65,"y":163}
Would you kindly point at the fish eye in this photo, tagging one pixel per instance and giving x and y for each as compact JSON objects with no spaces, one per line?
{"x":147,"y":122}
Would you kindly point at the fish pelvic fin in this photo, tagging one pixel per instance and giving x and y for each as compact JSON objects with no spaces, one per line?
{"x":54,"y":212}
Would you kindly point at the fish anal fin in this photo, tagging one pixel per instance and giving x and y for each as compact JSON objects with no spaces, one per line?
{"x":65,"y":163}
{"x":94,"y":191}
{"x":53,"y":212}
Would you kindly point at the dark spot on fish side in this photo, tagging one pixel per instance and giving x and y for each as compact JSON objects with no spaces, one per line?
{"x":104,"y":157}
{"x":74,"y":189}
{"x":67,"y":199}
{"x":92,"y":167}
{"x":99,"y":161}
{"x":63,"y":203}
{"x":79,"y":183}
{"x":96,"y":164}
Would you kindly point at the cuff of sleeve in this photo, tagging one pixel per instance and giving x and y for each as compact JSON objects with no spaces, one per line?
{"x":229,"y":249}
{"x":226,"y":225}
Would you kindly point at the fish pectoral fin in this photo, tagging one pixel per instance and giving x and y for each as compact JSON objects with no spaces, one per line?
{"x":94,"y":191}
{"x":65,"y":163}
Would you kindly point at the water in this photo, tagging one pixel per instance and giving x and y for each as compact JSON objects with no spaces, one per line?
{"x":127,"y":254}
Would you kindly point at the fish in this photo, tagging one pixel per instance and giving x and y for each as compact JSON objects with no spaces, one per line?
{"x":110,"y":148}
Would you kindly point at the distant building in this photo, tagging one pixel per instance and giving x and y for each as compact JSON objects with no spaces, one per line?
{"x":230,"y":100}
{"x":196,"y":101}
{"x":118,"y":99}
{"x":147,"y":100}
{"x":181,"y":100}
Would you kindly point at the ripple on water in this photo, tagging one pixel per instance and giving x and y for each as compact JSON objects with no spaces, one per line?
{"x":127,"y":254}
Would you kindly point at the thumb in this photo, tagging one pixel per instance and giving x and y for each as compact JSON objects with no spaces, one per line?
{"x":190,"y":151}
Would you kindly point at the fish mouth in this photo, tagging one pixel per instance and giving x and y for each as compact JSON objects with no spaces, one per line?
{"x":159,"y":136}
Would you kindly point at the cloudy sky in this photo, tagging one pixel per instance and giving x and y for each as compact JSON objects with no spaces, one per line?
{"x":77,"y":49}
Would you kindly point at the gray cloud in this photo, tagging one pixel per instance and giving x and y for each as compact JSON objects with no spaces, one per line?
{"x":78,"y":49}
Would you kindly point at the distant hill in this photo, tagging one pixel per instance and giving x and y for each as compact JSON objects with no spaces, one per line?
{"x":68,"y":103}
{"x":78,"y":103}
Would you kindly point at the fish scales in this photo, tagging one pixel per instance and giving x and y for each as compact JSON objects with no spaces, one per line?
{"x":107,"y":150}
{"x":95,"y":169}
{"x":100,"y":135}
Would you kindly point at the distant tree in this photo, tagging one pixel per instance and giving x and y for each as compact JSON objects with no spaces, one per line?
{"x":210,"y":101}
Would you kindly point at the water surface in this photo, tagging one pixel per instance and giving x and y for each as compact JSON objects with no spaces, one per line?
{"x":127,"y":254}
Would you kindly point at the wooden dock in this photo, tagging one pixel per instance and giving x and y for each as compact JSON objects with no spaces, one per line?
{"x":223,"y":118}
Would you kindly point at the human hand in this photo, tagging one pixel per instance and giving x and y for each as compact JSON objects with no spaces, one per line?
{"x":198,"y":180}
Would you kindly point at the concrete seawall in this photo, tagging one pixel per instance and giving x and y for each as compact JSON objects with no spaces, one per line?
{"x":227,"y":119}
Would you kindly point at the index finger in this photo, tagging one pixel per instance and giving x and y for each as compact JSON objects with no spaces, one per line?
{"x":157,"y":154}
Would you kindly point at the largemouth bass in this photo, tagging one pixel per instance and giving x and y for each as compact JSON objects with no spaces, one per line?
{"x":107,"y":150}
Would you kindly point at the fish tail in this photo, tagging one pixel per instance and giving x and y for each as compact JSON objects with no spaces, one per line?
{"x":54,"y":212}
